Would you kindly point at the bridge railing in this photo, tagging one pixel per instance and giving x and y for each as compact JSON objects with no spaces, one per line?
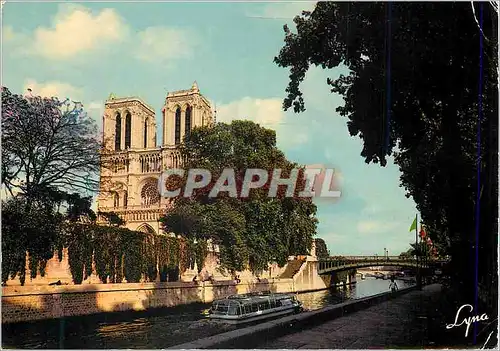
{"x":380,"y":258}
{"x":354,"y":261}
{"x":377,"y":258}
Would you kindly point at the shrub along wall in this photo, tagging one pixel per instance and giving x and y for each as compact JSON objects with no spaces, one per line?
{"x":113,"y":254}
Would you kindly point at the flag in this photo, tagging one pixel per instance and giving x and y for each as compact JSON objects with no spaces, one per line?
{"x":422,"y":232}
{"x":413,"y":225}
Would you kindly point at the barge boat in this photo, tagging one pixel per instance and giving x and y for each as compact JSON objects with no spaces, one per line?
{"x":245,"y":308}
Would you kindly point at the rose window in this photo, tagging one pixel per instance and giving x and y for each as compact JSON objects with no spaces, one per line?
{"x":149,"y":194}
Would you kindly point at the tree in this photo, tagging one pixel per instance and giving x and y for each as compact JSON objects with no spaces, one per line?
{"x":322,"y":251}
{"x":411,"y":85}
{"x":34,"y":231}
{"x":408,"y":254}
{"x":47,"y":143}
{"x":49,"y":148}
{"x":420,"y":250}
{"x":252,"y":230}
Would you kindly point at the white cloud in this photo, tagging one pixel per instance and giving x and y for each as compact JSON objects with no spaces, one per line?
{"x":96,"y":106}
{"x":53,"y":89}
{"x":366,"y":227}
{"x":95,"y":109}
{"x":15,"y":43}
{"x":286,"y":10}
{"x":333,"y":238}
{"x":371,"y":209}
{"x":300,"y":138}
{"x":317,"y":93}
{"x":7,"y":33}
{"x":266,"y":112}
{"x":163,"y":43}
{"x":75,"y":29}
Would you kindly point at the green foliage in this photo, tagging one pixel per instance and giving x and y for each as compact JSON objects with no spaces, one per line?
{"x":112,"y":218}
{"x":79,"y":244}
{"x":28,"y":227}
{"x":57,"y":137}
{"x":421,"y":250}
{"x":48,"y":148}
{"x":201,"y":252}
{"x":321,"y":249}
{"x":433,"y":111}
{"x":148,"y":251}
{"x":117,"y":252}
{"x":407,"y":254}
{"x":252,"y":231}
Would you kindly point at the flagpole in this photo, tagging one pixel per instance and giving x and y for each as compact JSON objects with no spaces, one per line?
{"x":416,"y":233}
{"x":417,"y":250}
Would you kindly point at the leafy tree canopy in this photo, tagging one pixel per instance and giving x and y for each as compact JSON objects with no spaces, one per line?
{"x":250,"y":231}
{"x":47,"y":143}
{"x":322,"y":251}
{"x":412,"y":91}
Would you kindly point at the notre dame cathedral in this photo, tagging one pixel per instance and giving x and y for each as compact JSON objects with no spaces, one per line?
{"x":135,"y":161}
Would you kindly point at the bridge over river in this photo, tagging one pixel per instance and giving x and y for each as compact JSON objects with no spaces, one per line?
{"x":336,"y":264}
{"x":311,"y":272}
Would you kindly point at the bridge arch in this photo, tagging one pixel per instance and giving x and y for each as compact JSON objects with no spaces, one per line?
{"x":337,"y":265}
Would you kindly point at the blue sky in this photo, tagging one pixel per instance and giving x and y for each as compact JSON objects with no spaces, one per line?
{"x":87,"y":51}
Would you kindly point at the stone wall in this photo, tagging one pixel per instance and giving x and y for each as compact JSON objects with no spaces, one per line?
{"x":36,"y":302}
{"x":54,"y":271}
{"x":307,"y":278}
{"x":59,"y":271}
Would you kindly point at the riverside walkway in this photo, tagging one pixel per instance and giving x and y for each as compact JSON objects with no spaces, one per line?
{"x":413,"y":320}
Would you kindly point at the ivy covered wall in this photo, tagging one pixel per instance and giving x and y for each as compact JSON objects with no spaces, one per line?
{"x":114,"y":253}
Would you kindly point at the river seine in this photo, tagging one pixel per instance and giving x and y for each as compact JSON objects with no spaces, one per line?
{"x":165,"y":328}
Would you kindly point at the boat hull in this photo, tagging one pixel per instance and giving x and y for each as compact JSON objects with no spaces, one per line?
{"x":257,"y":317}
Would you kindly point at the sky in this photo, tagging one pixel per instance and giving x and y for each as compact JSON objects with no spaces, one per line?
{"x":86,"y":51}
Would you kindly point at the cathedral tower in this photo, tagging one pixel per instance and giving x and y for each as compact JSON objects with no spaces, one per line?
{"x":128,"y":123}
{"x":134,"y":163}
{"x":184,"y":110}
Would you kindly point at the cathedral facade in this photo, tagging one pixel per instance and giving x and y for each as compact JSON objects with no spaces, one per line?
{"x":134,"y":161}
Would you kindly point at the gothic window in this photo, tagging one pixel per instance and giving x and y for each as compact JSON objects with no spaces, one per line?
{"x":128,"y":130}
{"x":146,"y":133}
{"x":149,"y":194}
{"x":118,"y":132}
{"x":125,"y":199}
{"x":188,"y":121}
{"x":178,"y":126}
{"x":116,"y":202}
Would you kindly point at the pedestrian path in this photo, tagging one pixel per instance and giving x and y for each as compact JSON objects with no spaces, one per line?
{"x":408,"y":321}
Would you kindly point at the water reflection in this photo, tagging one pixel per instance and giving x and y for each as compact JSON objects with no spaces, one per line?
{"x":164,"y":328}
{"x":363,"y":288}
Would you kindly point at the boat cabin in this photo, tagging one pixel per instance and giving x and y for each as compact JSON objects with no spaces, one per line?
{"x":240,"y":305}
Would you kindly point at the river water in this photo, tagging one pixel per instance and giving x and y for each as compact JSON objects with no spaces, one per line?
{"x":160,"y":329}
